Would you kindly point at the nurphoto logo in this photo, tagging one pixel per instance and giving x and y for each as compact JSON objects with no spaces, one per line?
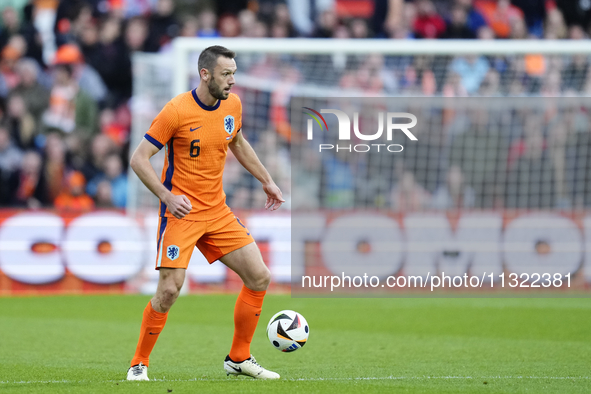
{"x":345,"y":130}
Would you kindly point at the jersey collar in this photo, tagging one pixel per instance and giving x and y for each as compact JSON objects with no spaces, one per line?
{"x":205,"y":107}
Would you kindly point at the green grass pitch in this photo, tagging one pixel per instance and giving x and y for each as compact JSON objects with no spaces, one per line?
{"x":71,"y":344}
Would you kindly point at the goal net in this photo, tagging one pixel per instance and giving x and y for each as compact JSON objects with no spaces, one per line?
{"x":450,"y":167}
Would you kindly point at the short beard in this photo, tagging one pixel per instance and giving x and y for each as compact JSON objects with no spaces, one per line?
{"x":215,"y":90}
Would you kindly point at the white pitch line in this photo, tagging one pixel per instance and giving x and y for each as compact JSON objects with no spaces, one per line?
{"x":310,"y":379}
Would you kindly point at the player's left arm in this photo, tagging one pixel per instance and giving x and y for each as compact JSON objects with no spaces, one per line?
{"x":249,"y":160}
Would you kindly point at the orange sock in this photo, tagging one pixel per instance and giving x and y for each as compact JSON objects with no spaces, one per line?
{"x":246,"y":316}
{"x":152,"y":324}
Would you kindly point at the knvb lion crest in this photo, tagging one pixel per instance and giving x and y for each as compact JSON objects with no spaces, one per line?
{"x":229,"y":124}
{"x":172,"y":252}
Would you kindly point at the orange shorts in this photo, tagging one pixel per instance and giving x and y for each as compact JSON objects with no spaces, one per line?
{"x":177,"y":239}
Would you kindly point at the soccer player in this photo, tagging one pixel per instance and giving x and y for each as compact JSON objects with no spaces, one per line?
{"x":197,"y":128}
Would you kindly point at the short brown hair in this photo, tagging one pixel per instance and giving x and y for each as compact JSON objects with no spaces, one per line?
{"x":209,"y":57}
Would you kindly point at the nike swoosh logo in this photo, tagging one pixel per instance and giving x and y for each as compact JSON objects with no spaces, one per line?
{"x":236,"y":369}
{"x":193,"y":129}
{"x":154,"y":333}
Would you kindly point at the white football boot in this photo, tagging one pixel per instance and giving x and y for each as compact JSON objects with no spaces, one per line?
{"x":248,"y":367}
{"x":138,"y":372}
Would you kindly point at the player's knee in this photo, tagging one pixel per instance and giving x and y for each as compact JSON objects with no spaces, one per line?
{"x":168,"y":296}
{"x":262,"y":280}
{"x":267,"y":277}
{"x":171,"y":293}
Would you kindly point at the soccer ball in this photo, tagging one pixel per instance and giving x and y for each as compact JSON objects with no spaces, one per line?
{"x":288,"y":331}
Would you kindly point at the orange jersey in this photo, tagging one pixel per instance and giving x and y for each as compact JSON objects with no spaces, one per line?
{"x":196,"y":137}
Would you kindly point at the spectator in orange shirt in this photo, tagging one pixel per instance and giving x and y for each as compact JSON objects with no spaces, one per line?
{"x":74,"y":199}
{"x":500,"y":15}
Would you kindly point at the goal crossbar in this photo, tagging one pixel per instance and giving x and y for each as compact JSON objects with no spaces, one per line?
{"x":183,"y":45}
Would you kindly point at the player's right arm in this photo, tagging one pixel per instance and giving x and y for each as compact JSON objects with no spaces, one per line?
{"x":178,"y":205}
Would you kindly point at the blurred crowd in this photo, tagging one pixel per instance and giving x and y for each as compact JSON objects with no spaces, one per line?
{"x":515,"y":156}
{"x":66,"y":74}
